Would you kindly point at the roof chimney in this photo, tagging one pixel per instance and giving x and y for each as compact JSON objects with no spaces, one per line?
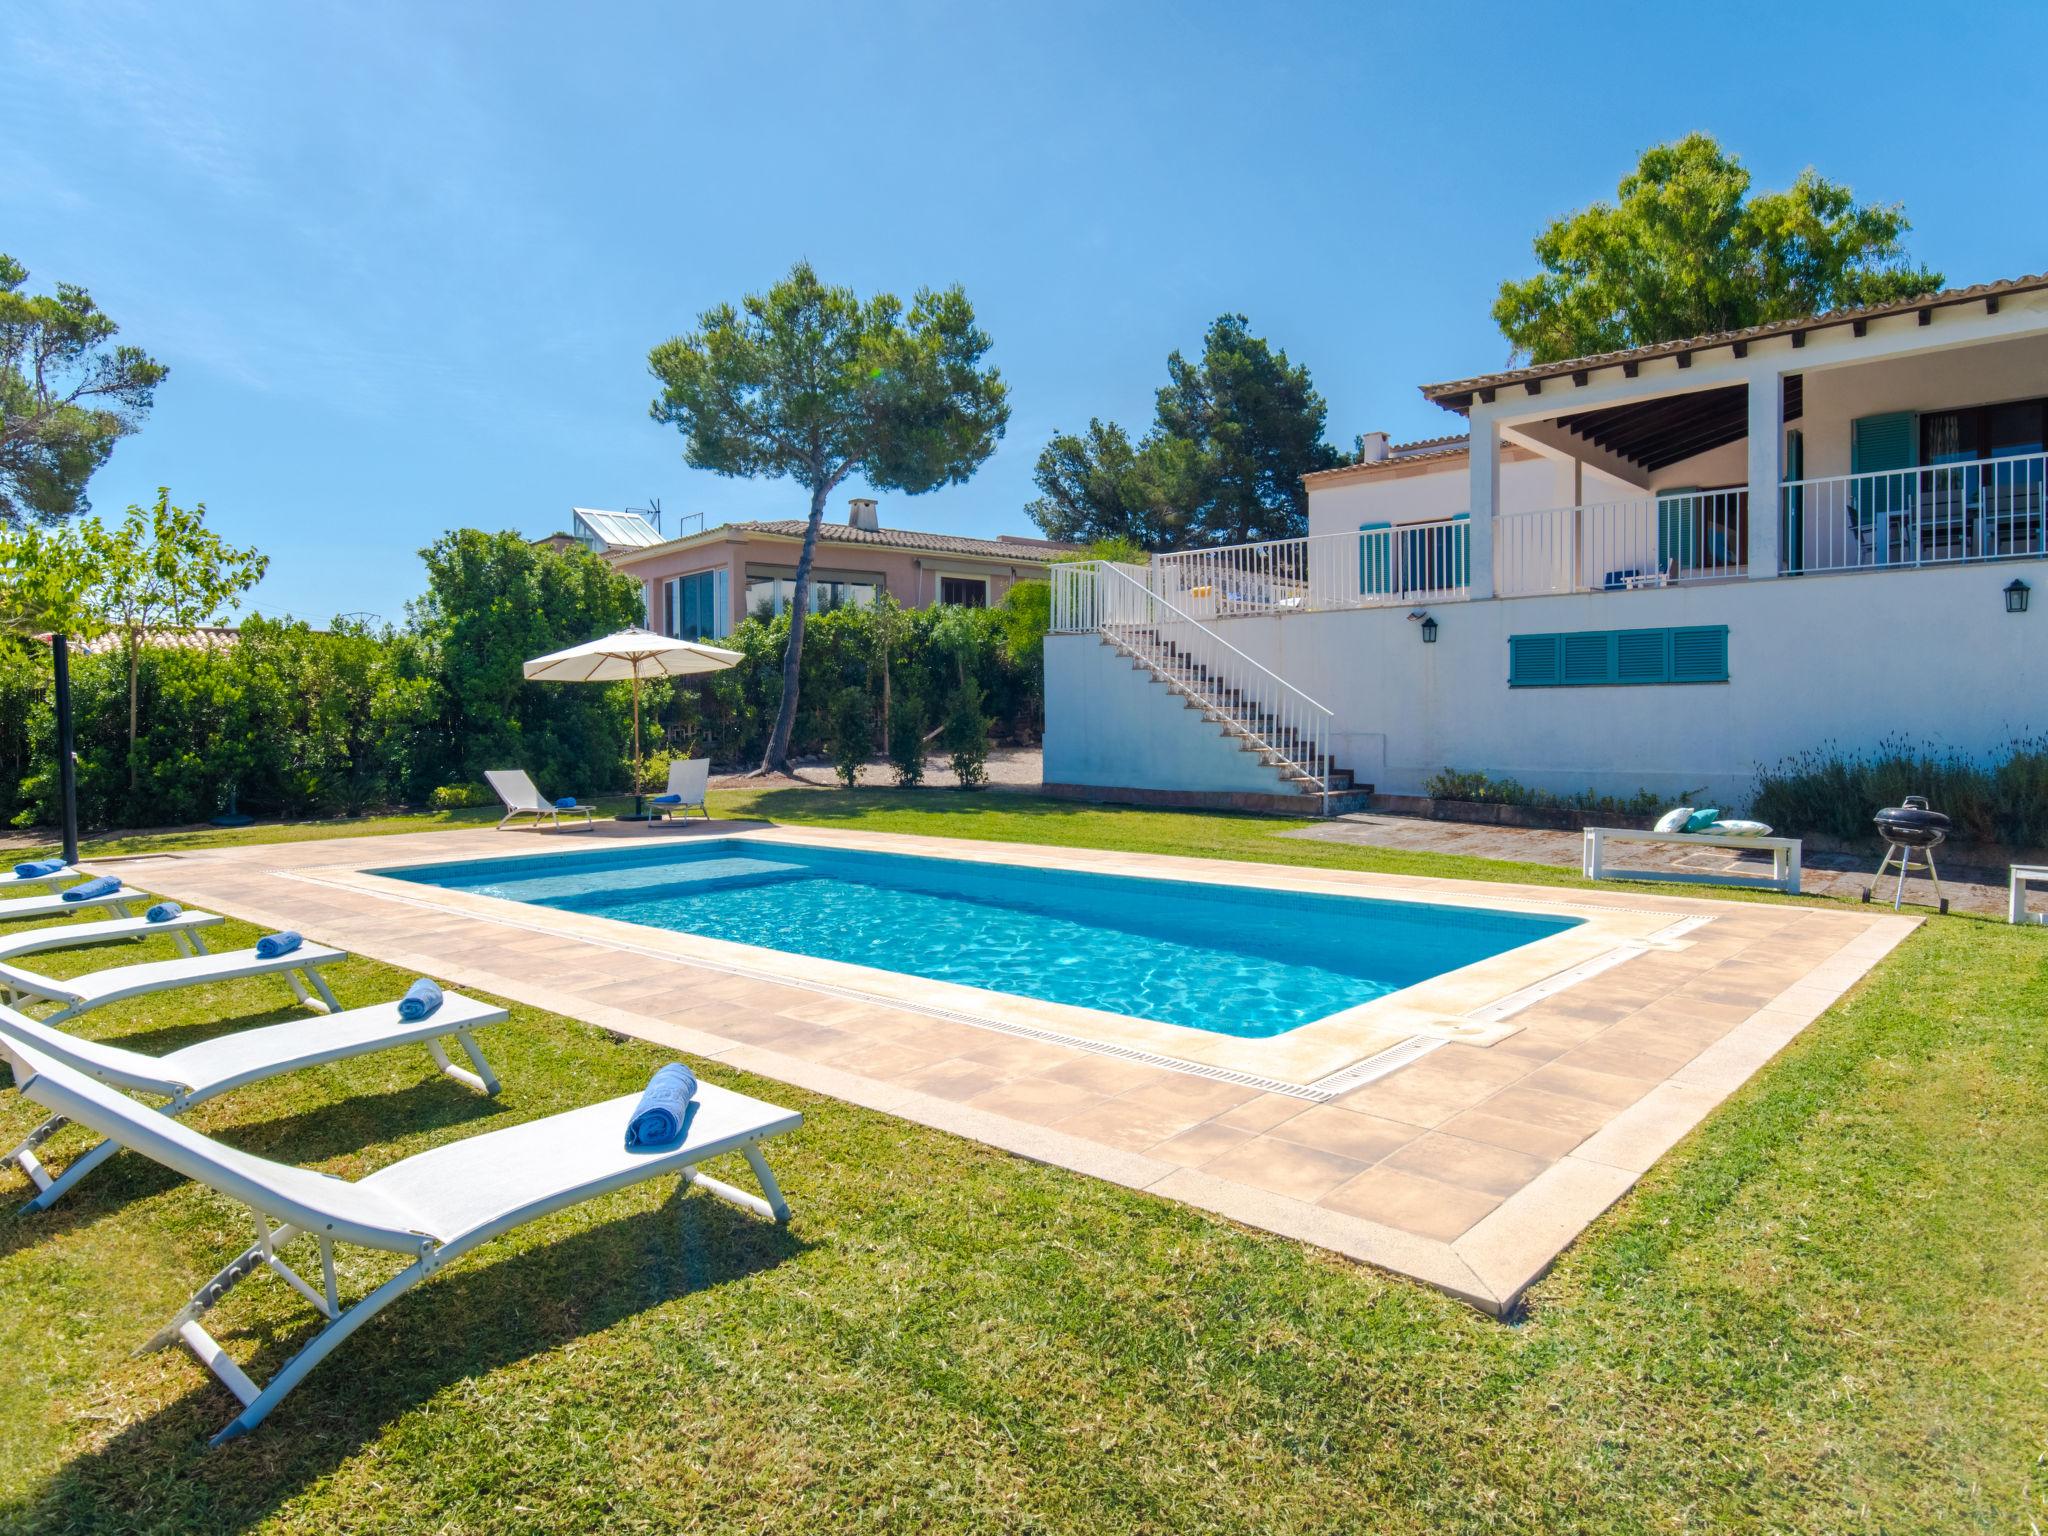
{"x":860,"y":513}
{"x":1372,"y":447}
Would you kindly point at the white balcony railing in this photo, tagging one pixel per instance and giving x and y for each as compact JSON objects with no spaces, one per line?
{"x":1617,"y":546}
{"x":1939,"y":514}
{"x":1944,"y":514}
{"x":1413,"y":562}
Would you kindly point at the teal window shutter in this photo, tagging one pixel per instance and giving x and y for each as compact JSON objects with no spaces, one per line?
{"x":1678,"y":520}
{"x":1642,"y":656}
{"x":1880,"y":446}
{"x":1700,"y":654}
{"x":1589,"y":658}
{"x":1792,"y":541}
{"x":1533,"y":661}
{"x":1880,"y":443}
{"x":1461,"y":541}
{"x":1375,"y":558}
{"x":1598,"y":658}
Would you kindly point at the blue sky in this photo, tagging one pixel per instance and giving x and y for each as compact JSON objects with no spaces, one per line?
{"x":405,"y":262}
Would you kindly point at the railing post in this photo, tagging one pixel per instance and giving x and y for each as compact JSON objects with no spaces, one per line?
{"x":1766,"y":450}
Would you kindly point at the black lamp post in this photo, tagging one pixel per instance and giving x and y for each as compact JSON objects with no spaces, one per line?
{"x":67,"y":766}
{"x":2016,"y":594}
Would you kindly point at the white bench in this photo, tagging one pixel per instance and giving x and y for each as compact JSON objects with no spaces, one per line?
{"x":1784,"y":874}
{"x":2024,"y":875}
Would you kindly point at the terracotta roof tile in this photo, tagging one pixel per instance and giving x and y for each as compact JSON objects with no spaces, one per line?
{"x":1030,"y":551}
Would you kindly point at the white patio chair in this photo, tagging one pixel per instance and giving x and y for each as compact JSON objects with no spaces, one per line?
{"x":688,"y":782}
{"x":81,"y":994}
{"x":516,"y":793}
{"x":200,"y":1072}
{"x":183,"y":931}
{"x":14,"y":909}
{"x":432,"y":1207}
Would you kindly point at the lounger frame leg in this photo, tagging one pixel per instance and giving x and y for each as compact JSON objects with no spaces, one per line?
{"x":327,"y":1003}
{"x":186,"y":1329}
{"x":24,"y":1157}
{"x":48,"y":1190}
{"x":774,"y":1208}
{"x":483,"y":1079}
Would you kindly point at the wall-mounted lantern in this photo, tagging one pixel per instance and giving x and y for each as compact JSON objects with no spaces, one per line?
{"x":2016,"y":594}
{"x":1429,"y":631}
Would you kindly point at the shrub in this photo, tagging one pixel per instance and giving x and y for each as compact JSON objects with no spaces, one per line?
{"x":1999,"y":799}
{"x":1467,"y":784}
{"x":853,"y":734}
{"x":966,"y":736}
{"x":906,"y":739}
{"x":460,"y":797}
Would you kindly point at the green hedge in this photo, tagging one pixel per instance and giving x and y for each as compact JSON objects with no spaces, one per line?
{"x":1469,"y":784}
{"x":299,"y":722}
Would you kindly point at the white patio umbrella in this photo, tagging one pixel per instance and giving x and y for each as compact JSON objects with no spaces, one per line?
{"x":630,"y":655}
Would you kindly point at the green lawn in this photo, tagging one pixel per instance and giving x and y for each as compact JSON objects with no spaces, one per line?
{"x":1818,"y":1314}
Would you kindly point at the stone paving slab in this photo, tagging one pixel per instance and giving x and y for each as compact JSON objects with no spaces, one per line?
{"x":1469,"y":1169}
{"x":1969,"y":887}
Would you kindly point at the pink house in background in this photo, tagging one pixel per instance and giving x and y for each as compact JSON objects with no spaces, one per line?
{"x":700,"y":586}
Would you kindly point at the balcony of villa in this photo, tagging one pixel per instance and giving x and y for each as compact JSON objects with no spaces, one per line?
{"x":1912,"y":440}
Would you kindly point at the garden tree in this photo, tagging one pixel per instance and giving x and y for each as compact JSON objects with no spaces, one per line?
{"x":494,"y":601}
{"x":1687,"y":251}
{"x":1091,"y":486}
{"x":887,"y":624}
{"x":43,"y":577}
{"x":965,"y":730}
{"x":1232,"y":436}
{"x":158,"y":568}
{"x":806,"y":381}
{"x":67,"y":395}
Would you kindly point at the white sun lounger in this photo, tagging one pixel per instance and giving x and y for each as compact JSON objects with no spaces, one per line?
{"x":434,"y":1206}
{"x":16,"y":908}
{"x":182,"y":929}
{"x":10,"y":883}
{"x":95,"y":989}
{"x":516,"y":793}
{"x":212,"y":1067}
{"x":688,"y":780}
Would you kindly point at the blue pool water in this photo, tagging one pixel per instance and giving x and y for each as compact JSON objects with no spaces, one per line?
{"x":1229,"y":959}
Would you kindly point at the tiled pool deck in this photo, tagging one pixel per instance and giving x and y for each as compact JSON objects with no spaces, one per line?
{"x":1469,"y":1168}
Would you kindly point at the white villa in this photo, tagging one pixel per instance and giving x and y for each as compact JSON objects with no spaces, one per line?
{"x":1653,"y":569}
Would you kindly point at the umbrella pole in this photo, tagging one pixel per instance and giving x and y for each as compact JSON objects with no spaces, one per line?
{"x":636,"y":741}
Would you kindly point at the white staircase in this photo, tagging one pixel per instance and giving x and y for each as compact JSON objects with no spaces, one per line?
{"x":1255,"y":709}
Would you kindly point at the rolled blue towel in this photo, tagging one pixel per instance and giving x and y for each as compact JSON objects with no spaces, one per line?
{"x":666,"y":800}
{"x":35,"y":869}
{"x":421,"y":999}
{"x":163,"y":912}
{"x":271,"y":945}
{"x":566,"y":803}
{"x":658,"y":1117}
{"x":99,"y":885}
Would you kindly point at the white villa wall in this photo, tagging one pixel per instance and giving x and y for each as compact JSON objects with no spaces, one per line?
{"x":1930,"y":655}
{"x":1115,"y":720}
{"x":1413,"y":495}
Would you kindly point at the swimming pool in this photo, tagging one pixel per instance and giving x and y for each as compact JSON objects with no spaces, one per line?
{"x":1232,"y":960}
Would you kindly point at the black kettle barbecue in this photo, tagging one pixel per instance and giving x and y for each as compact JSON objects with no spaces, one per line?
{"x":1905,"y":828}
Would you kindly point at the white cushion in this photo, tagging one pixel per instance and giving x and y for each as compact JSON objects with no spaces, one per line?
{"x":1674,"y":820}
{"x":1740,"y":829}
